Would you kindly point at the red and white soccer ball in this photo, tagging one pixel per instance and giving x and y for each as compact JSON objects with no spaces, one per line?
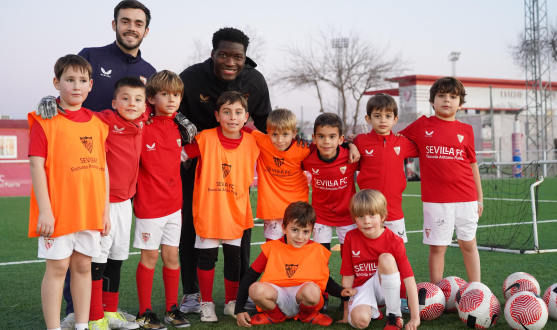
{"x":431,"y":301}
{"x":550,"y":299}
{"x":526,"y":310}
{"x":479,"y":309}
{"x":519,"y":282}
{"x":449,"y":286}
{"x":469,"y":286}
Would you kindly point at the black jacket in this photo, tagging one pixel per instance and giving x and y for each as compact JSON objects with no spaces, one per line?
{"x":202,"y":89}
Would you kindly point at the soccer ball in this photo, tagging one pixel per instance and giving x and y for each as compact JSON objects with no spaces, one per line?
{"x":519,"y":282}
{"x":449,"y":286}
{"x":526,"y":310}
{"x":469,"y":286}
{"x":479,"y":309}
{"x":431,"y":301}
{"x":550,"y":299}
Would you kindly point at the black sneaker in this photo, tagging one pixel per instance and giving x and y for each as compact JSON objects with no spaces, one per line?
{"x":325,"y":307}
{"x":176,"y":318}
{"x":150,"y":321}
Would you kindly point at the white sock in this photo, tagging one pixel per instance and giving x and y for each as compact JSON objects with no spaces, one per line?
{"x":391,"y":290}
{"x":81,"y":326}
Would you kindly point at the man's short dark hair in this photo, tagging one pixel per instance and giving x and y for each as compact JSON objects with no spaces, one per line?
{"x":382,"y":102}
{"x":77,"y":62}
{"x":328,"y":119}
{"x":232,"y":35}
{"x":231,"y":97}
{"x":447,"y":85}
{"x":301,"y":213}
{"x":132,"y":82}
{"x":125,"y":4}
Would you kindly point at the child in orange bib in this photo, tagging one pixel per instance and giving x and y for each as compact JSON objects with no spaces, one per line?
{"x":69,"y":199}
{"x":295,"y":275}
{"x":221,"y":206}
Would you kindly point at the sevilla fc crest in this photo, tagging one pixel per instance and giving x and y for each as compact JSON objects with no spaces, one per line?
{"x":397,"y":150}
{"x":225,"y":170}
{"x":48,"y":243}
{"x":143,"y":80}
{"x":290,"y":269}
{"x":427,"y":232}
{"x":342,"y":169}
{"x":145,"y":237}
{"x":460,"y":138}
{"x":202,"y":239}
{"x":179,"y":142}
{"x":87,"y":142}
{"x":278,"y":161}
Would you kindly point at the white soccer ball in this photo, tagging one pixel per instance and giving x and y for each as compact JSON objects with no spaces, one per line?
{"x":449,"y":286}
{"x":519,"y":282}
{"x":550,"y":299}
{"x":431,"y":301}
{"x":469,"y":286}
{"x":479,"y":309}
{"x":526,"y":310}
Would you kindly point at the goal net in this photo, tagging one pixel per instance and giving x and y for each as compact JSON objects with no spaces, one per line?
{"x":513,"y":209}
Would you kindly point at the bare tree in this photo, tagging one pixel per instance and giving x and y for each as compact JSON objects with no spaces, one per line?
{"x":350,"y":70}
{"x":523,"y":48}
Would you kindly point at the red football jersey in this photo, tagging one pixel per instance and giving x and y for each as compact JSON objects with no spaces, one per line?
{"x":360,"y":255}
{"x":446,"y":152}
{"x":382,"y":167}
{"x":332,"y":184}
{"x":159,"y":185}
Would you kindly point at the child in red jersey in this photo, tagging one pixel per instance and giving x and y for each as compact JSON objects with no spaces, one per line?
{"x":158,"y":201}
{"x":294,"y":290}
{"x":374,"y":261}
{"x":451,"y":187}
{"x":221,"y":206}
{"x":69,"y":208}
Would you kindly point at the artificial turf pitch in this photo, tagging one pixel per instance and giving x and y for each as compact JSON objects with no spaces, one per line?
{"x":20,"y":299}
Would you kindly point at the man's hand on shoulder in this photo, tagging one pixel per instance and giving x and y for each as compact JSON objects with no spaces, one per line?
{"x":187,"y":129}
{"x":48,"y":108}
{"x":243,"y":320}
{"x":300,"y":141}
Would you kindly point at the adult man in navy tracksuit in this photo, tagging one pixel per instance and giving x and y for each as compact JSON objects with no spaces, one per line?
{"x":120,"y":59}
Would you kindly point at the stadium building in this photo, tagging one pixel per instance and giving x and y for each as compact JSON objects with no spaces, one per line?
{"x":15,"y":175}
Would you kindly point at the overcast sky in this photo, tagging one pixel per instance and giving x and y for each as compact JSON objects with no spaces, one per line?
{"x":34,"y":34}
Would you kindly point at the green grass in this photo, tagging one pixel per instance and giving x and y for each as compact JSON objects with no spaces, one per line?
{"x":20,"y":304}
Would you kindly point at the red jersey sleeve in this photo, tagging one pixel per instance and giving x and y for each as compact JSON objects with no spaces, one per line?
{"x":411,"y":132}
{"x":411,"y":148}
{"x":470,"y":149}
{"x":260,"y":263}
{"x":402,"y":260}
{"x":38,"y":144}
{"x":192,"y":149}
{"x":347,"y":268}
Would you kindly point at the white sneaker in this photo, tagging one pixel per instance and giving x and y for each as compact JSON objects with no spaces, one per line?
{"x":190,"y":303}
{"x":118,"y":321}
{"x":208,"y":312}
{"x":68,"y":323}
{"x":129,"y":317}
{"x":229,"y":308}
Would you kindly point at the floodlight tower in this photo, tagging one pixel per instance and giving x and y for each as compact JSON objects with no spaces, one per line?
{"x":453,"y":57}
{"x":339,"y":44}
{"x":539,"y":128}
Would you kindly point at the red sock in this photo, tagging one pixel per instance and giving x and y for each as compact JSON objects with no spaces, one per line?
{"x":96,"y":308}
{"x":144,"y":280}
{"x":306,"y":311}
{"x":275,"y":313}
{"x":110,"y":301}
{"x":230,"y":290}
{"x":171,"y":279}
{"x":341,"y":245}
{"x":206,"y":278}
{"x":268,"y":239}
{"x":325,"y":295}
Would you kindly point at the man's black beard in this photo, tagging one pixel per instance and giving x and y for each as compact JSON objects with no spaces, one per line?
{"x":121,"y":42}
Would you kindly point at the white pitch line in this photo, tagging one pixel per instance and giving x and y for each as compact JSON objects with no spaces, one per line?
{"x":499,"y":199}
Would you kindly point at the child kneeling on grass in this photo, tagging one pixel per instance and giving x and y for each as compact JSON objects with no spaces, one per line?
{"x":295,"y":275}
{"x":373,"y":262}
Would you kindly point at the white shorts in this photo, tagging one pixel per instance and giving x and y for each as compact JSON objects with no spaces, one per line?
{"x":211,"y":243}
{"x":116,"y":245}
{"x":87,"y":242}
{"x":272,"y":229}
{"x":440,"y":220}
{"x":398,"y":227}
{"x":286,"y":300}
{"x":324,"y":233}
{"x":371,"y":294}
{"x":151,"y":233}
